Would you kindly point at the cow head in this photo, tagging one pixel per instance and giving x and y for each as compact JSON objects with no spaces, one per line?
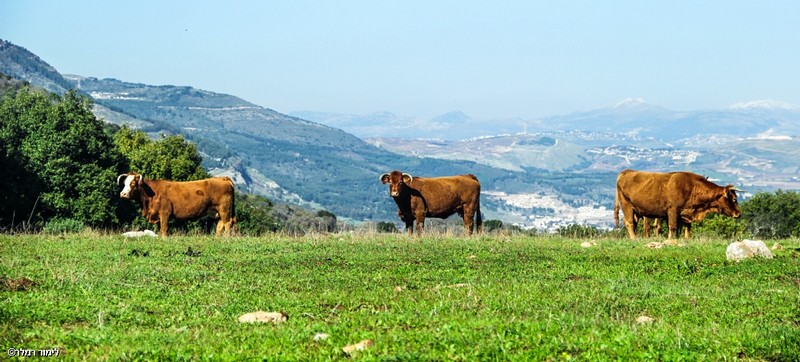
{"x":131,"y":184}
{"x":728,"y":203}
{"x":396,"y":180}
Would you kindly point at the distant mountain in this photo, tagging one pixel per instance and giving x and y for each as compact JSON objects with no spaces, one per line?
{"x":630,"y":116}
{"x":455,"y":118}
{"x":450,"y":126}
{"x":638,"y":117}
{"x":20,"y":63}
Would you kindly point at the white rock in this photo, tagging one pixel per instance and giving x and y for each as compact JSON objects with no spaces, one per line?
{"x":264,"y":317}
{"x":738,"y":251}
{"x":747,"y":249}
{"x":759,"y":248}
{"x":139,"y":234}
{"x":644,"y":320}
{"x":360,"y":346}
{"x":321,"y":337}
{"x":777,"y":246}
{"x":654,"y":245}
{"x":587,"y":244}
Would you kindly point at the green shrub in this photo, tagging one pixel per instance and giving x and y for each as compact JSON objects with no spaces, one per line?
{"x":578,"y":231}
{"x":63,"y":226}
{"x":386,"y":227}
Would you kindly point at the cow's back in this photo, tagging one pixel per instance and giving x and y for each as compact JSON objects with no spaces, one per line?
{"x":644,"y":191}
{"x":444,"y":195}
{"x":195,"y":199}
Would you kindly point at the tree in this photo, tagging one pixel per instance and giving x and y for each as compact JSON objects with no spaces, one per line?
{"x":773,"y":215}
{"x":254,"y":215}
{"x":491,"y":225}
{"x":60,"y":158}
{"x":386,"y":227}
{"x":720,"y":226}
{"x":170,"y":158}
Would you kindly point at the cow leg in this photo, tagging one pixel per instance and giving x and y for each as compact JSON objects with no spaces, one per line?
{"x":409,"y":226}
{"x":630,"y":222}
{"x":672,"y":222}
{"x":163,"y":219}
{"x":220,"y":226}
{"x":468,"y":216}
{"x":420,"y":225}
{"x":656,"y":227}
{"x":646,"y":225}
{"x":629,"y":219}
{"x":687,"y":230}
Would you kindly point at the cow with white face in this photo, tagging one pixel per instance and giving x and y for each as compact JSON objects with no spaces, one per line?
{"x":162,"y":199}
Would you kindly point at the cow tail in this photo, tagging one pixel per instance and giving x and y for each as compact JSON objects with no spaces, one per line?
{"x":478,"y":217}
{"x":234,"y":222}
{"x":616,"y":209}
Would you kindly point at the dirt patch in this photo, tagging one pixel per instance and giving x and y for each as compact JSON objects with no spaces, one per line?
{"x":137,"y":252}
{"x":16,"y":285}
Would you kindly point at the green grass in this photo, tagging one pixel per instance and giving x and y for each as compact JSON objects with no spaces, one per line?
{"x":483,"y":298}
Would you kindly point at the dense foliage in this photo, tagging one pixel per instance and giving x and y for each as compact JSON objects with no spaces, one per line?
{"x":773,"y":215}
{"x":170,"y":158}
{"x":58,"y":158}
{"x":254,"y":215}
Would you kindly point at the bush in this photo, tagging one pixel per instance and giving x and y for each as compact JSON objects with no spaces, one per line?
{"x":254,"y":215}
{"x":716,"y":225}
{"x":578,"y":231}
{"x":386,"y":227}
{"x":491,"y":225}
{"x":63,"y":226}
{"x":773,"y":215}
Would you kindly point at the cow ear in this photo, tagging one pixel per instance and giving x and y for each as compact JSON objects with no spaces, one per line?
{"x":121,"y":178}
{"x":385,"y":178}
{"x":407,"y":178}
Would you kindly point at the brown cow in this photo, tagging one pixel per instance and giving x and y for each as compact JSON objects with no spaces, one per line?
{"x":439,"y":197}
{"x":680,"y":197}
{"x":191,"y":200}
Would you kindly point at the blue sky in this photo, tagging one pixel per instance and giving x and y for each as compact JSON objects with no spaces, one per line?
{"x":424,"y":58}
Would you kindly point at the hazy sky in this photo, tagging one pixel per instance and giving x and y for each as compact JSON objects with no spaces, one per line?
{"x":485,"y":58}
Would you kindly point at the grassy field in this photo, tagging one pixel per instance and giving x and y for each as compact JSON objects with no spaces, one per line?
{"x":437,"y":298}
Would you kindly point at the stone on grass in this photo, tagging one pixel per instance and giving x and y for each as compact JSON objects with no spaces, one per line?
{"x":777,"y":246}
{"x":759,"y":248}
{"x":644,"y":320}
{"x":264,"y":317}
{"x":139,"y":234}
{"x":745,"y":249}
{"x":321,"y":337}
{"x":360,"y":346}
{"x":654,"y":245}
{"x":587,"y":244}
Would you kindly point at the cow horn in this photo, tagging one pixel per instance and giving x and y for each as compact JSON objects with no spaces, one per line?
{"x":382,"y":176}
{"x":410,"y":178}
{"x":119,"y":178}
{"x":737,"y":189}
